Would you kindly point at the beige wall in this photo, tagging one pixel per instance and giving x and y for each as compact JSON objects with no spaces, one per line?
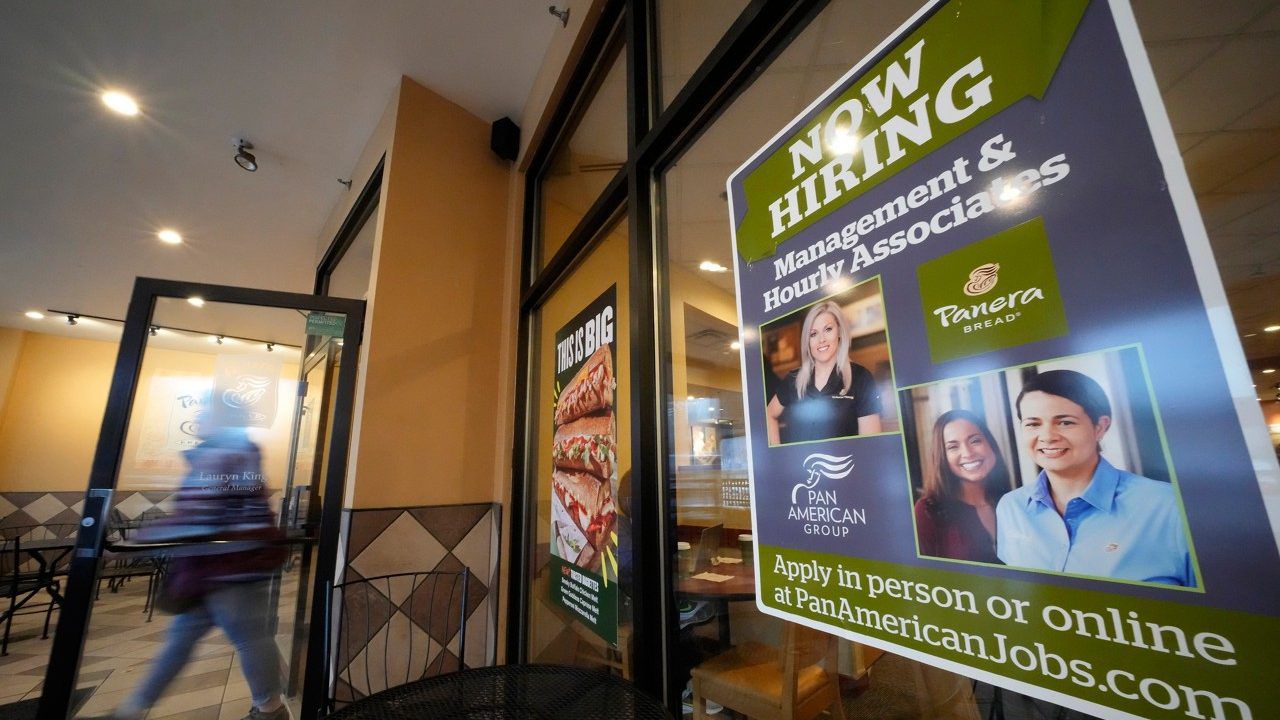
{"x":10,"y":347}
{"x":50,"y":423}
{"x":49,"y":426}
{"x":433,"y":415}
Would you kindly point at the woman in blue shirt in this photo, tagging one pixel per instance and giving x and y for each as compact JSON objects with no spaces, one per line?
{"x":1082,"y":515}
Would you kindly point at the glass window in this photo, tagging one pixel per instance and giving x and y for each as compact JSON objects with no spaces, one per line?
{"x":579,"y":606}
{"x":350,"y":278}
{"x":687,"y":32}
{"x":719,"y":622}
{"x":582,"y":166}
{"x":1227,"y":122}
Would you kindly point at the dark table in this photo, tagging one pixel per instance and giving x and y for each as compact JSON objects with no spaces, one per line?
{"x":49,"y":554}
{"x":741,"y":586}
{"x":511,"y":692}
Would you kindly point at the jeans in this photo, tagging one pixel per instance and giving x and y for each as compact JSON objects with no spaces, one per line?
{"x":240,"y":609}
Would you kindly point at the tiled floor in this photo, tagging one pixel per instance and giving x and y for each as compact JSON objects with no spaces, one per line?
{"x":117,"y":651}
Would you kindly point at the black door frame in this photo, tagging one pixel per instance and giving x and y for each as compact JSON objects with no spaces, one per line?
{"x":74,"y":618}
{"x":656,"y":137}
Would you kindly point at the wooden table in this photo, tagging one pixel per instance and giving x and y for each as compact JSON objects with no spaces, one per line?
{"x":741,"y":586}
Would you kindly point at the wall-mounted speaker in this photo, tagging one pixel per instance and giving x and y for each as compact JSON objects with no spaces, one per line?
{"x":504,"y":139}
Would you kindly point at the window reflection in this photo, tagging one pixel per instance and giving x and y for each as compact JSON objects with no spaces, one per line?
{"x":1228,"y":133}
{"x":584,"y":164}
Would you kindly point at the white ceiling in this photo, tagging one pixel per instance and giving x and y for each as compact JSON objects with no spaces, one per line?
{"x":83,"y":190}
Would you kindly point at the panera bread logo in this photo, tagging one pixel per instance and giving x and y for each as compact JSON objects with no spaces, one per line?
{"x":982,"y":279}
{"x":995,"y":293}
{"x":1004,"y":309}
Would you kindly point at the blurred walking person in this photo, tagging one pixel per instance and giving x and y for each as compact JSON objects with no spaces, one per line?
{"x":223,"y":578}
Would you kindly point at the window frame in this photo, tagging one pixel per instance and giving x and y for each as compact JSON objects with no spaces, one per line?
{"x":654,"y":141}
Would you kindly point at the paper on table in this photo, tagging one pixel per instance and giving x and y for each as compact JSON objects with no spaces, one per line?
{"x":712,"y":577}
{"x":729,"y":560}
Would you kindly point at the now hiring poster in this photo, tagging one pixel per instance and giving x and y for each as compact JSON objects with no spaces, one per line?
{"x":998,"y":418}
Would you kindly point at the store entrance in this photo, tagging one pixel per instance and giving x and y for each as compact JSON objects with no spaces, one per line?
{"x":209,"y":528}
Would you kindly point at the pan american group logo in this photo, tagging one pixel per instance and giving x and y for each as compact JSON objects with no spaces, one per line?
{"x":817,"y":505}
{"x":964,"y":312}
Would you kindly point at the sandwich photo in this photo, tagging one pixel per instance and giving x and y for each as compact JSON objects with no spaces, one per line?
{"x":586,"y":444}
{"x":588,"y":503}
{"x":591,"y":390}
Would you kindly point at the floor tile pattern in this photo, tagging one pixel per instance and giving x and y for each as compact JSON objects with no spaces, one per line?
{"x":121,"y":643}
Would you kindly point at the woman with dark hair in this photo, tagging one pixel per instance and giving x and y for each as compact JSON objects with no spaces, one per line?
{"x":956,"y":515}
{"x":1082,"y":515}
{"x":828,"y":396}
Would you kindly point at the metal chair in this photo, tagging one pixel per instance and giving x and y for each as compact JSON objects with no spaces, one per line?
{"x":119,"y":568}
{"x":26,"y":571}
{"x":387,"y":631}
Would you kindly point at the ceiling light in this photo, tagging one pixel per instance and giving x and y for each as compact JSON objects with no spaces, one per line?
{"x":1271,"y":328}
{"x":1249,"y":335}
{"x":735,"y":345}
{"x":709,"y":266}
{"x":244,"y":158}
{"x":169,"y":236}
{"x":196,"y":300}
{"x":72,"y":319}
{"x":154,"y":331}
{"x":120,"y":102}
{"x":1268,"y":371}
{"x":271,"y":347}
{"x":691,"y":398}
{"x":35,"y":314}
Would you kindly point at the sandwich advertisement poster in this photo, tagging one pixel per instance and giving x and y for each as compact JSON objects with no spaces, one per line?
{"x":584,"y":482}
{"x":1017,"y":439}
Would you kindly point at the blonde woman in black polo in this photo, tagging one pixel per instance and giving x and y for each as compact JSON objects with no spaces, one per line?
{"x":828,"y":396}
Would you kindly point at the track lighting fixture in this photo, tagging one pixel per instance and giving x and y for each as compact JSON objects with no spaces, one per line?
{"x":72,"y":319}
{"x":271,"y":347}
{"x":244,"y":158}
{"x":220,"y":339}
{"x":154,"y":331}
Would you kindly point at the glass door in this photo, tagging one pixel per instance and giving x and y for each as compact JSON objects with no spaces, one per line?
{"x":211,"y":520}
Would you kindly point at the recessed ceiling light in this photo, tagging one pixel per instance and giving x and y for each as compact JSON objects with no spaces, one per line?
{"x":1268,"y":371}
{"x":120,"y":102}
{"x":169,"y":236}
{"x":1271,"y":328}
{"x":735,"y":345}
{"x":35,"y":315}
{"x":196,"y":300}
{"x":709,"y":266}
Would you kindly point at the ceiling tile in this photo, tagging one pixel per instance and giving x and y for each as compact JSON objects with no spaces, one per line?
{"x":1186,"y":141}
{"x":1225,"y":86}
{"x":1164,"y":20}
{"x":1266,"y":114}
{"x":1219,"y":209}
{"x":1264,"y":177}
{"x":1172,"y":60}
{"x":1263,"y":220}
{"x":1268,"y":21}
{"x":1225,"y":155}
